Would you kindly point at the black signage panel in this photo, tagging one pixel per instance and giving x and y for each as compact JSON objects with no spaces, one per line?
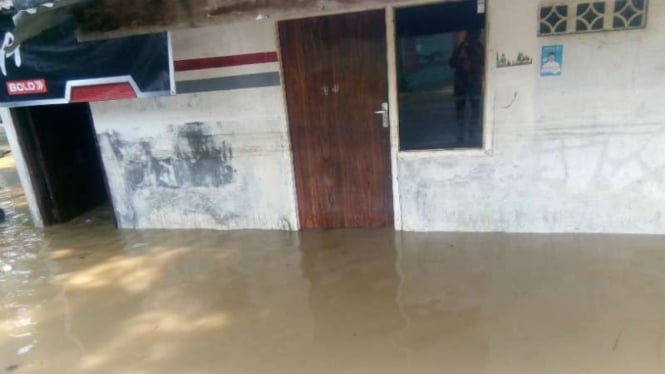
{"x":54,"y":68}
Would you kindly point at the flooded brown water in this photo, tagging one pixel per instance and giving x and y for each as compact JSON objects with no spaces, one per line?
{"x":85,"y":298}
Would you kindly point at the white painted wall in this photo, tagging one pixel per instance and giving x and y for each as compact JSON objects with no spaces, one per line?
{"x":249,"y":122}
{"x":21,"y":167}
{"x":578,"y":153}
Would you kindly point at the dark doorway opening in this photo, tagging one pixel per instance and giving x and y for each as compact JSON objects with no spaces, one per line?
{"x":440,"y":61}
{"x":60,"y":148}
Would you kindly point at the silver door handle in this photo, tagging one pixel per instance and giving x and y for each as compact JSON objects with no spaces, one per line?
{"x":384,"y":112}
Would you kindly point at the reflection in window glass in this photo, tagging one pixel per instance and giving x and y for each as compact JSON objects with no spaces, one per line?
{"x":441,"y":56}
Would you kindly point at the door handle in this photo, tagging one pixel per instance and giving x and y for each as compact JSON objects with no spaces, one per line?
{"x":385,"y":117}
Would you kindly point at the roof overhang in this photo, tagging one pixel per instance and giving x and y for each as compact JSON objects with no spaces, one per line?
{"x":103,"y":19}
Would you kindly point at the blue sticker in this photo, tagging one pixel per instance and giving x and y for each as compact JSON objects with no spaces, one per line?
{"x":551,"y":62}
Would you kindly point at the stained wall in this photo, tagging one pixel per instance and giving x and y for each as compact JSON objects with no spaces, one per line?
{"x":217,"y":157}
{"x":576,"y":153}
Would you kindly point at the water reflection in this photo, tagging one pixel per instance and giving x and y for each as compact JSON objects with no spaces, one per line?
{"x":24,"y":273}
{"x":84,"y":297}
{"x":352,"y":296}
{"x":446,"y":279}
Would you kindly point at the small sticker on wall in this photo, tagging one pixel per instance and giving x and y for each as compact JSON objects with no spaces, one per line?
{"x":551,"y":61}
{"x":504,"y":62}
{"x":481,"y":6}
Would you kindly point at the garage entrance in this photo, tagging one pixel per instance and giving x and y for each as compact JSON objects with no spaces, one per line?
{"x":60,"y":149}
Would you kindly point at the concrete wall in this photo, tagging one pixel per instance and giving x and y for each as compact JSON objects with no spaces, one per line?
{"x":218,"y":160}
{"x":21,"y":166}
{"x":578,"y":153}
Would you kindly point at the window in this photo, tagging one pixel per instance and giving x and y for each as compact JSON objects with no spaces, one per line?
{"x":441,"y":65}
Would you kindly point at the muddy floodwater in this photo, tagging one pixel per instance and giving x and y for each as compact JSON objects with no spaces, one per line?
{"x":86,"y":298}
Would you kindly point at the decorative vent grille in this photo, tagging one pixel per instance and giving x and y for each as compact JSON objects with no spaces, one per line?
{"x":590,"y":17}
{"x":553,"y":19}
{"x":580,"y":16}
{"x":630,"y":14}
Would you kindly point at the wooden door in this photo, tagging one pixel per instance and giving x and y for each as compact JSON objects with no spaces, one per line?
{"x":335,"y":77}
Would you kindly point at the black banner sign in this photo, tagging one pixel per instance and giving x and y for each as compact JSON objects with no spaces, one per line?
{"x":54,"y":68}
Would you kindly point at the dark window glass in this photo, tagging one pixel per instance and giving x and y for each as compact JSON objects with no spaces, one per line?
{"x":441,"y":64}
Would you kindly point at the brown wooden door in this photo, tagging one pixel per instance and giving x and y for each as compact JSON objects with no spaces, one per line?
{"x":335,"y":76}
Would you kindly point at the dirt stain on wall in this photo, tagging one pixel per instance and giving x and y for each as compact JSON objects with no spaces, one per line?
{"x":239,"y":7}
{"x":197,"y":159}
{"x":113,"y":18}
{"x":111,"y":15}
